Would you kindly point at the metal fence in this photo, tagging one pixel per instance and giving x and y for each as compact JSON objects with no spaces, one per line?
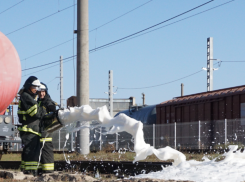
{"x":201,"y":134}
{"x":188,"y":135}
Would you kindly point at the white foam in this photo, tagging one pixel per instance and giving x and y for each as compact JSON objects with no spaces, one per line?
{"x":229,"y":169}
{"x":67,"y":137}
{"x":119,"y":124}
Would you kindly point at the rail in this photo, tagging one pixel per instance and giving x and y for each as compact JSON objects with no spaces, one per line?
{"x":104,"y":167}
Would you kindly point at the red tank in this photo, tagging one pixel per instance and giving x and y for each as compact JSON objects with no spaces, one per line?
{"x":10,"y":72}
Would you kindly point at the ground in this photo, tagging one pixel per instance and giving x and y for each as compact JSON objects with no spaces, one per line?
{"x":105,"y":156}
{"x":12,"y":176}
{"x":7,"y":175}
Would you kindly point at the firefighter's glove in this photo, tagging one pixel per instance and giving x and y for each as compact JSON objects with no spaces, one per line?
{"x":51,"y":108}
{"x":57,"y":113}
{"x":57,"y":116}
{"x":50,"y":115}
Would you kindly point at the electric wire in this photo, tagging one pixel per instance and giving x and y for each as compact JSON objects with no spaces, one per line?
{"x":118,"y":42}
{"x":40,"y":19}
{"x":46,"y":64}
{"x":153,"y":25}
{"x":233,"y":61}
{"x":46,"y":68}
{"x":220,"y":62}
{"x":11,"y":7}
{"x":89,"y":31}
{"x":46,"y":50}
{"x":40,"y":70}
{"x":103,"y":46}
{"x":91,"y":51}
{"x":51,"y":80}
{"x":120,"y":16}
{"x":163,"y":83}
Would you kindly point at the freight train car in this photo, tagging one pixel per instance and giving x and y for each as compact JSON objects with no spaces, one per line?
{"x":210,"y":108}
{"x":220,"y":104}
{"x":186,"y":111}
{"x":145,"y":114}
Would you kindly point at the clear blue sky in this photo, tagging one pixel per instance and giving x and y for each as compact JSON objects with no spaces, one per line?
{"x":161,"y":56}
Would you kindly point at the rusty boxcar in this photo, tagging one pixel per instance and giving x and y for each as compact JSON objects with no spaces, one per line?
{"x":220,"y":104}
{"x":211,"y":108}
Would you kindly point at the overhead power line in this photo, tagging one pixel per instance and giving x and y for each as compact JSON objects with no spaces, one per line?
{"x":118,"y":42}
{"x":40,"y":70}
{"x":47,"y":64}
{"x":89,"y":31}
{"x":165,"y":82}
{"x":229,"y":62}
{"x":152,"y":26}
{"x":40,"y":20}
{"x":11,"y":7}
{"x":103,"y":46}
{"x":92,"y":50}
{"x":46,"y":68}
{"x":233,"y":61}
{"x":47,"y":50}
{"x":120,"y":16}
{"x":108,"y":44}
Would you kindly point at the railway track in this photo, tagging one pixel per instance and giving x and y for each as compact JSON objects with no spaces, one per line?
{"x":108,"y":167}
{"x":194,"y":151}
{"x":103,"y":167}
{"x":19,"y":152}
{"x":112,"y":151}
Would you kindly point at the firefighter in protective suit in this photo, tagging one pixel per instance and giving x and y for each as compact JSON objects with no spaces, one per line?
{"x":30,"y":114}
{"x":47,"y":156}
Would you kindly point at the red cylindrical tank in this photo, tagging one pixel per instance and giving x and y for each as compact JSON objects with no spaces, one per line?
{"x":10,"y":72}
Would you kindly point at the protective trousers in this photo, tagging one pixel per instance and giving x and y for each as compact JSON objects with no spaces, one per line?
{"x":47,"y":157}
{"x":31,"y":151}
{"x":31,"y":147}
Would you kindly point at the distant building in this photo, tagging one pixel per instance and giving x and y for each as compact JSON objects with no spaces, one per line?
{"x":118,"y":104}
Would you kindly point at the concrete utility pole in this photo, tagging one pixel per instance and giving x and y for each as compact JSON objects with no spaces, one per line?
{"x":182,"y":89}
{"x":110,"y":100}
{"x":143,"y":97}
{"x":82,"y":70}
{"x":61,"y":82}
{"x":110,"y":93}
{"x":210,"y":69}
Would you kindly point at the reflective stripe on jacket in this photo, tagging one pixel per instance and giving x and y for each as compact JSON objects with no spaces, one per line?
{"x":25,"y":129}
{"x":31,"y":111}
{"x":28,"y":109}
{"x":46,"y":139}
